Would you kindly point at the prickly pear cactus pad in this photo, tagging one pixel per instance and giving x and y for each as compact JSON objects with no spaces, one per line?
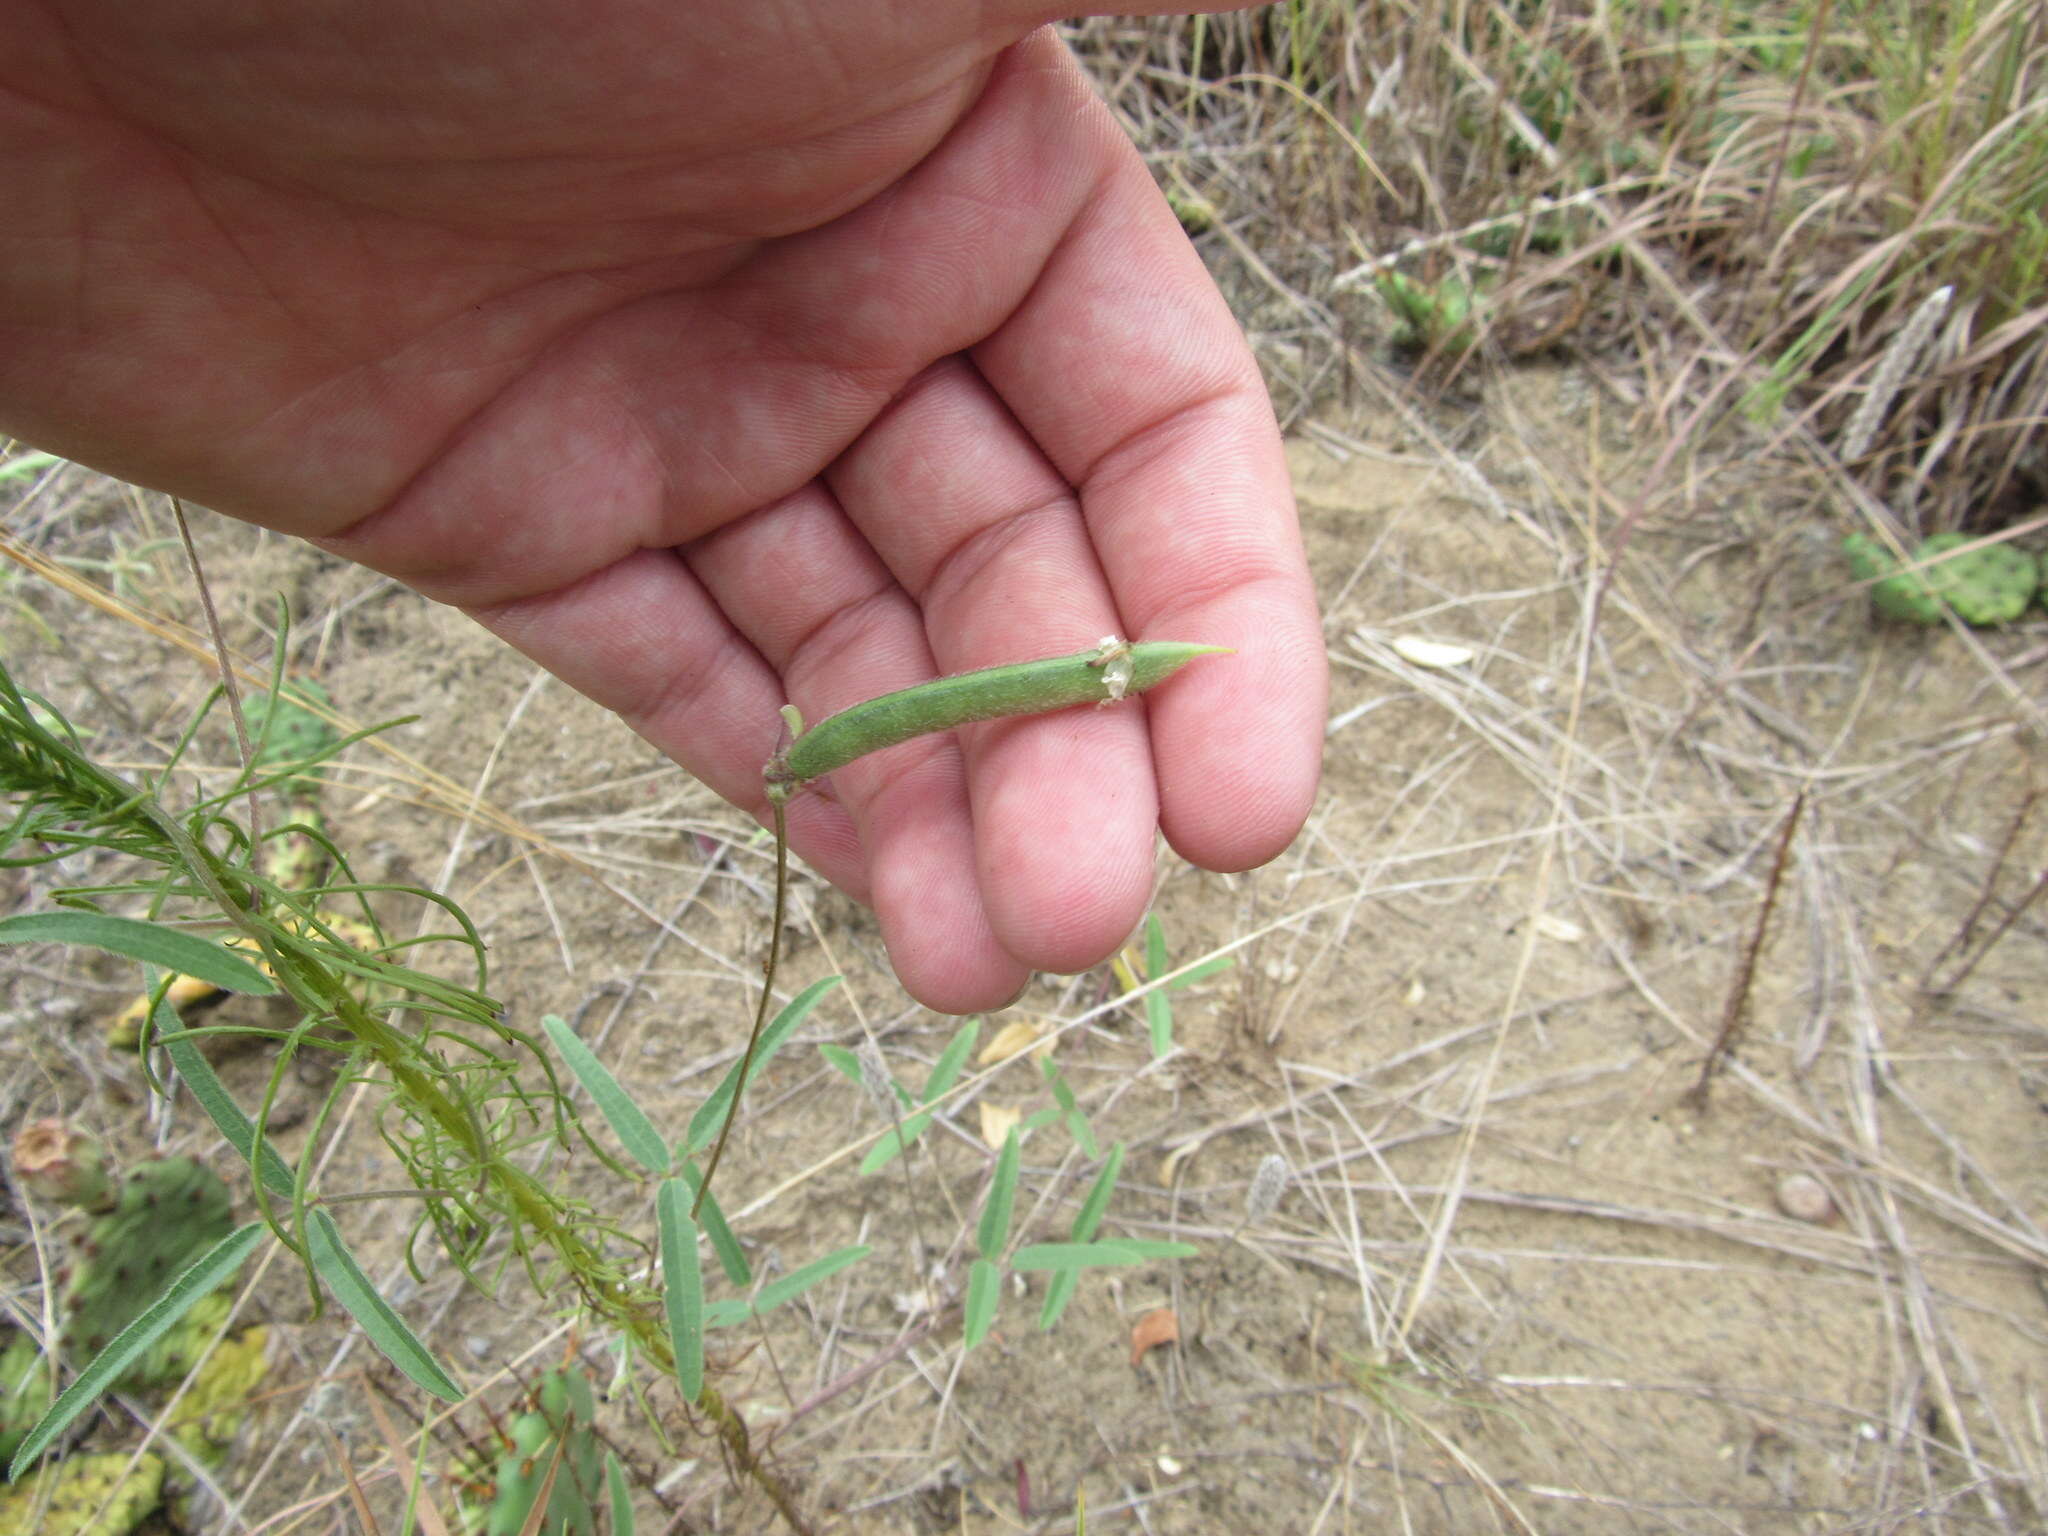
{"x":170,"y":1211}
{"x":24,"y":1393}
{"x":1992,"y":585}
{"x":86,"y":1496}
{"x":296,"y":734}
{"x":564,"y":1412}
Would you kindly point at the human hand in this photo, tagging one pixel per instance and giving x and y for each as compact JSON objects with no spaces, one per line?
{"x":713,"y":356}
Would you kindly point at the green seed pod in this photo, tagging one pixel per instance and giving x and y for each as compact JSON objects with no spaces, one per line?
{"x":1100,"y":675}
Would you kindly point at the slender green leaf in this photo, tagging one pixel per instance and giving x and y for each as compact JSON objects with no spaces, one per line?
{"x":885,"y":1151}
{"x":731,"y":1257}
{"x":635,"y":1131}
{"x":1058,"y":1083}
{"x":790,"y":1286}
{"x":1146,"y":1249}
{"x":946,"y":1070}
{"x":1039,"y":1119}
{"x":704,"y":1124}
{"x":682,"y":1285}
{"x":1196,"y":973}
{"x":994,"y":1230}
{"x":1158,"y":1011}
{"x":197,"y":1074}
{"x":27,"y":464}
{"x":984,"y":1291}
{"x":621,"y":1495}
{"x":174,"y":949}
{"x":845,"y":1061}
{"x":1058,"y":1293}
{"x":1097,"y":1255}
{"x":1082,"y":1132}
{"x":387,"y":1330}
{"x":202,"y":1279}
{"x":1089,"y":1217}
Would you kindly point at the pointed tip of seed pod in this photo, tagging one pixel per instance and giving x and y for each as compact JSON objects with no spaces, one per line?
{"x":1154,"y":661}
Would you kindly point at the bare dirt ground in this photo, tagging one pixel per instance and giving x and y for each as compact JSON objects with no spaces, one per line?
{"x":1520,"y":1278}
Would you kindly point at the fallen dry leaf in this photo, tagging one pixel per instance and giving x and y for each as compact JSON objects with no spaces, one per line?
{"x":996,"y":1121}
{"x":1016,"y":1036}
{"x":1159,"y":1326}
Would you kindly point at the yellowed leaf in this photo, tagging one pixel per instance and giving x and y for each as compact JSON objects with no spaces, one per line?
{"x":996,"y":1121}
{"x":1159,"y":1326}
{"x":1017,"y":1036}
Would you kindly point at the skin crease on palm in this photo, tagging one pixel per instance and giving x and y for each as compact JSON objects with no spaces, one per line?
{"x":714,"y":356}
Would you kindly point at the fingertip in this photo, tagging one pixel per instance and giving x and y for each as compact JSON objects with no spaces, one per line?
{"x":1238,"y":749}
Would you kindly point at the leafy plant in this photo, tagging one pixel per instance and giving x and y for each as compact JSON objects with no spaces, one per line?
{"x":451,"y":1064}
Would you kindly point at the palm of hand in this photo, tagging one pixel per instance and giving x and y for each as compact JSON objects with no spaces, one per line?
{"x":643,"y":345}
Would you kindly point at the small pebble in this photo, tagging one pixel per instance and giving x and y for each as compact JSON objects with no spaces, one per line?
{"x":1804,"y":1198}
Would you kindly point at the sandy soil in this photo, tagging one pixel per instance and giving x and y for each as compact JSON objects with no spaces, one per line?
{"x":1520,"y":1279}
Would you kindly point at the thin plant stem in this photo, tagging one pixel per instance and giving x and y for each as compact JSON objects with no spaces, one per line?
{"x":1738,"y":991}
{"x":761,"y":1012}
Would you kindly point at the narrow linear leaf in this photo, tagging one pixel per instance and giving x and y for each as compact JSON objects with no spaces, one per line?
{"x":387,"y":1330}
{"x":1146,"y":1249}
{"x":189,"y":954}
{"x":946,"y":1070}
{"x":200,"y":1280}
{"x":682,"y":1285}
{"x":1197,"y":973}
{"x":621,"y":1495}
{"x":704,"y":1124}
{"x":885,"y":1151}
{"x":1158,"y":1011}
{"x":629,"y":1123}
{"x":27,"y":463}
{"x":1089,"y":1217}
{"x":1099,"y":1255}
{"x":1057,"y":1081}
{"x":847,"y":1064}
{"x":1087,"y":1220}
{"x":731,"y":1257}
{"x":788,"y":1288}
{"x":984,"y":1292}
{"x":1057,"y":1294}
{"x":1082,"y":1132}
{"x":994,"y":1230}
{"x":1038,"y":1119}
{"x":197,"y":1074}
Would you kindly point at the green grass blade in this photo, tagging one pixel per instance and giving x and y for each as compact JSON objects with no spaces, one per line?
{"x":1158,"y":1011}
{"x":171,"y":948}
{"x":984,"y":1291}
{"x":203,"y":1278}
{"x":682,"y":1285}
{"x":621,"y":1495}
{"x":946,"y":1070}
{"x":629,"y":1123}
{"x":387,"y":1330}
{"x":731,"y":1257}
{"x":788,"y":1288}
{"x":1101,"y":1255}
{"x":704,"y":1124}
{"x":197,"y":1074}
{"x":994,"y":1230}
